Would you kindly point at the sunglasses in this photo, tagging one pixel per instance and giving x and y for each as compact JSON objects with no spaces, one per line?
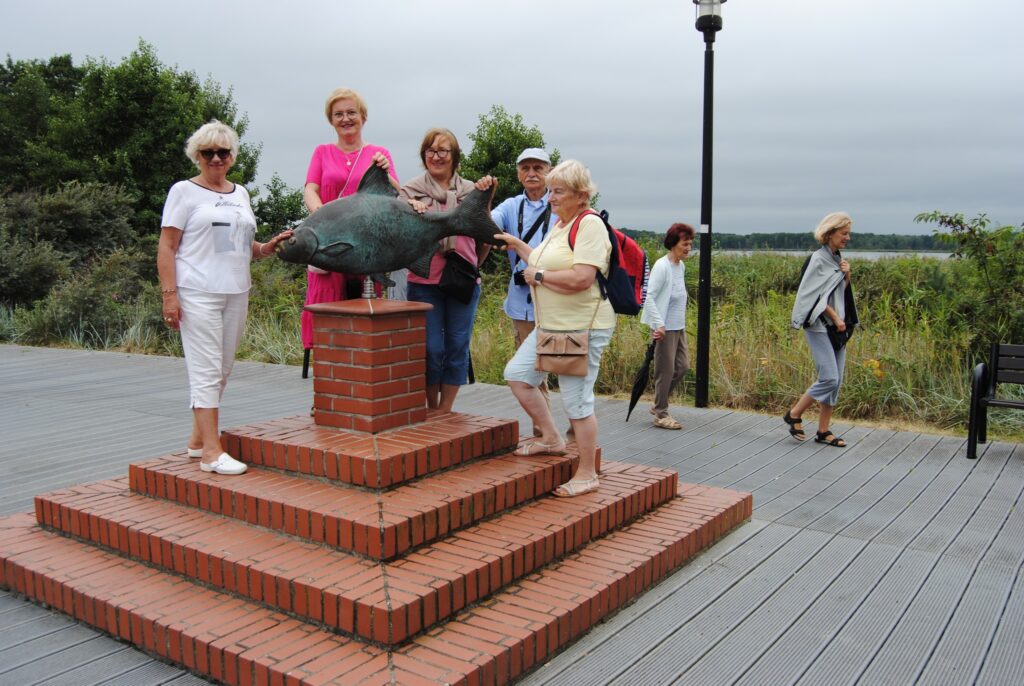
{"x":222,"y":153}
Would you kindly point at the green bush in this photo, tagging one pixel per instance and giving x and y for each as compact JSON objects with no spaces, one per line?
{"x":28,"y":269}
{"x":94,"y":307}
{"x":83,"y":219}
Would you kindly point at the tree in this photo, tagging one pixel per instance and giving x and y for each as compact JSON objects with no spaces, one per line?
{"x":992,"y":304}
{"x":281,"y":208}
{"x":120,"y":124}
{"x":27,"y":91}
{"x":497,"y":141}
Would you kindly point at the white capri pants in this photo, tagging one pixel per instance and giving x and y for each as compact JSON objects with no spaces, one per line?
{"x":211,"y":330}
{"x":577,"y":391}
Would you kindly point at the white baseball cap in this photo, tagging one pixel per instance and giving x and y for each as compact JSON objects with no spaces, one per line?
{"x":534,"y":154}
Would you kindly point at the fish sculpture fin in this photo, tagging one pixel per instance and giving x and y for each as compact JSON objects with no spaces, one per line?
{"x":473,"y":218}
{"x":336,"y":249}
{"x":377,"y":182}
{"x":421,"y":267}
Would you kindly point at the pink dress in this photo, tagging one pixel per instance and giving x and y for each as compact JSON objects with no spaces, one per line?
{"x":329,"y":168}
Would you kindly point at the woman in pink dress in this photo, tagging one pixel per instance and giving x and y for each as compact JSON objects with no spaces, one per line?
{"x":334,"y":172}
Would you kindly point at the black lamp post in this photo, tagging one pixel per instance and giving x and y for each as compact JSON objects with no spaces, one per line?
{"x":709,"y":22}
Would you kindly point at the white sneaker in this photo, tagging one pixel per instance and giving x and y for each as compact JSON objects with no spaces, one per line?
{"x":225,"y":464}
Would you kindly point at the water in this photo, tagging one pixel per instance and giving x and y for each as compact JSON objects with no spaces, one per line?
{"x":856,"y":254}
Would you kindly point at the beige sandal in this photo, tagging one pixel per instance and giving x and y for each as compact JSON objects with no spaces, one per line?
{"x":574,"y":487}
{"x":538,"y":448}
{"x":667,"y":422}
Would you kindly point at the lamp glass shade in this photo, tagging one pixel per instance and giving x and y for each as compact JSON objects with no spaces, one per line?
{"x":708,"y":8}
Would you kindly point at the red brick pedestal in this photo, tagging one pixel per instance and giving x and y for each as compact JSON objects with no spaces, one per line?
{"x":378,"y":543}
{"x":369,"y":364}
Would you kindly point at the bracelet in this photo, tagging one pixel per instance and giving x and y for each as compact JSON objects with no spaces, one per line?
{"x":263,"y":245}
{"x":169,"y":291}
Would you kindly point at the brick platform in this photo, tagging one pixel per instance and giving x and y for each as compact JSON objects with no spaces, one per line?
{"x":417,"y":554}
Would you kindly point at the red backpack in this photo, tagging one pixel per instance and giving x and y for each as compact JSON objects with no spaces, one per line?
{"x":626,"y":284}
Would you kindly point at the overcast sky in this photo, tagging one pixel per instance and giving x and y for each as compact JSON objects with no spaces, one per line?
{"x":882,"y":108}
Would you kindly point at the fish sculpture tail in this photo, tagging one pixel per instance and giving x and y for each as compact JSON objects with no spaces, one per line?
{"x":473,"y":218}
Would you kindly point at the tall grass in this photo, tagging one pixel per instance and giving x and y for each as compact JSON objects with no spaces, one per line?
{"x":908,"y":362}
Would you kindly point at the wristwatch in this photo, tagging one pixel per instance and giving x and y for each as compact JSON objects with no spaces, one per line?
{"x":538,"y":276}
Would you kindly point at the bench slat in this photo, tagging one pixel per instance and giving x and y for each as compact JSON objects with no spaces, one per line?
{"x":1010,"y":362}
{"x":1011,"y":350}
{"x":1009,"y":376}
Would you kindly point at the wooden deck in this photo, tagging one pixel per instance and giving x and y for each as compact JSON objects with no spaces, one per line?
{"x":894,"y":561}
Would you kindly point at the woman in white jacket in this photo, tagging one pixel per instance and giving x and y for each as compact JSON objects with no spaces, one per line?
{"x":665,"y":313}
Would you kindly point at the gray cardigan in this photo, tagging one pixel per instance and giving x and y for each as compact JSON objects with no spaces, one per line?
{"x":821,"y":278}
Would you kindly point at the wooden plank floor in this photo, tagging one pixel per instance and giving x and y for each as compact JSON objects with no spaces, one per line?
{"x":895,"y":561}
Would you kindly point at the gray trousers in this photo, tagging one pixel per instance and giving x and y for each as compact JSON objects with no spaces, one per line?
{"x":830,"y":365}
{"x":671,"y":360}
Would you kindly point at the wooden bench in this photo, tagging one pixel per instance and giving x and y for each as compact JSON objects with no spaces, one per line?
{"x":1005,"y":366}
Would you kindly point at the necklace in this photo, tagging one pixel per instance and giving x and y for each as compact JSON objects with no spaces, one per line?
{"x":350,"y":157}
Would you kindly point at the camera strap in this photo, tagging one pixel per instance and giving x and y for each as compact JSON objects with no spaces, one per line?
{"x":542,"y":220}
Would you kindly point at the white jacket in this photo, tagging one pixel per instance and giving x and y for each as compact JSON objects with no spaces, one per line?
{"x":659,"y":292}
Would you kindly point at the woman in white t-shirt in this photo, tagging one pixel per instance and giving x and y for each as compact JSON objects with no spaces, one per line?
{"x":665,"y":312}
{"x":207,"y":240}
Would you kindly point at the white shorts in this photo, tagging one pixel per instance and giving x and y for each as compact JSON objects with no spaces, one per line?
{"x":211,"y":330}
{"x":577,"y":391}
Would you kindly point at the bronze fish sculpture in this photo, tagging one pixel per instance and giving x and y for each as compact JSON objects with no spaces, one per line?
{"x":374,"y":232}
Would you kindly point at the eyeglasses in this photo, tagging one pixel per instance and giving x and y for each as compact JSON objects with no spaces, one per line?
{"x":347,"y":114}
{"x":222,"y":153}
{"x":441,"y":154}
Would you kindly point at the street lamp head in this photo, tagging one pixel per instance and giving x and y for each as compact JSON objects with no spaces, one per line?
{"x":709,"y":16}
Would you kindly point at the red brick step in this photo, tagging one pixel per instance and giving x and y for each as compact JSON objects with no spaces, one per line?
{"x":390,"y":458}
{"x":385,"y":603}
{"x":378,"y":524}
{"x":239,"y":642}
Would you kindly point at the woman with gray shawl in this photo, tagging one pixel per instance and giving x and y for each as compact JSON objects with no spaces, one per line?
{"x":450,"y":322}
{"x":825,"y":310}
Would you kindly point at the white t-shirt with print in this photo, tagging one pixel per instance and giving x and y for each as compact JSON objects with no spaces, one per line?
{"x":216,"y":243}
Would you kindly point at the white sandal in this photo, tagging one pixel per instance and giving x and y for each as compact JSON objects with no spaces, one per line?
{"x":538,"y":448}
{"x":225,"y":464}
{"x":575,"y":487}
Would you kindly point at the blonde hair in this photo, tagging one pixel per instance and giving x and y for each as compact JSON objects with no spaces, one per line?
{"x":574,"y":176}
{"x":213,"y":132}
{"x":830,"y":224}
{"x":428,"y":140}
{"x":344,"y":94}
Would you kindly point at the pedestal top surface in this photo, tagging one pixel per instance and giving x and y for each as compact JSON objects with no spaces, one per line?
{"x":369,"y":307}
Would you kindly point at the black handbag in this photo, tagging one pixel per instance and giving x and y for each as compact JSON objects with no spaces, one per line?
{"x":837,"y":338}
{"x":458,"y":279}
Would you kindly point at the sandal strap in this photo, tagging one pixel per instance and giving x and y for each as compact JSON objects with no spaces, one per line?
{"x":823,"y":437}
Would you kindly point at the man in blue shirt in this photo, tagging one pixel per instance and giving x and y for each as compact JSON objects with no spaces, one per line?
{"x":527,"y":216}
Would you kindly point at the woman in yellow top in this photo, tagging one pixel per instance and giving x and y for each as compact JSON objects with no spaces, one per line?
{"x":567,"y":297}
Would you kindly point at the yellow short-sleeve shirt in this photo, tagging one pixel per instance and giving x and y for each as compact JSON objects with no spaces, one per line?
{"x":574,"y":311}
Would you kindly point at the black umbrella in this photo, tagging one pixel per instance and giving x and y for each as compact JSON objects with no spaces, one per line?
{"x":643,"y":376}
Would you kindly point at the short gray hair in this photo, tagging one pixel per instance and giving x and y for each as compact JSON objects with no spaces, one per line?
{"x":830,"y":224}
{"x":213,"y":132}
{"x":574,"y":176}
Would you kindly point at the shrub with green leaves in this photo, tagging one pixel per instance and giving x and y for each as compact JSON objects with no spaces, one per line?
{"x":93,"y":307}
{"x":989,"y":297}
{"x":27,"y":268}
{"x":83,"y":219}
